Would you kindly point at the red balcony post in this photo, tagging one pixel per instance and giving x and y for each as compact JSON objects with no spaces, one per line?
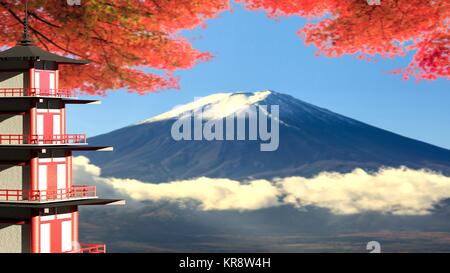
{"x":75,"y":219}
{"x":34,"y":172}
{"x":35,"y":225}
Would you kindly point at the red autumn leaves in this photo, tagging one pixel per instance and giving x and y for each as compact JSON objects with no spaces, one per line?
{"x":353,"y":27}
{"x":122,"y":37}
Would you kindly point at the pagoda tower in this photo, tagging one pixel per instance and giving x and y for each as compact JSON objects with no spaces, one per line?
{"x":39,"y":201}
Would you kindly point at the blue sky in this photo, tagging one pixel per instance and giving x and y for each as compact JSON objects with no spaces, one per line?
{"x":253,"y":52}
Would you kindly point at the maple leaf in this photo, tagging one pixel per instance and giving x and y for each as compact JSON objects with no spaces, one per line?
{"x":388,"y":29}
{"x":124,"y":38}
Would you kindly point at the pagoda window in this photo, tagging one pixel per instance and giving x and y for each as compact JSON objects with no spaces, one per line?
{"x":56,"y":233}
{"x":49,"y":126}
{"x":44,"y":81}
{"x":52,"y":178}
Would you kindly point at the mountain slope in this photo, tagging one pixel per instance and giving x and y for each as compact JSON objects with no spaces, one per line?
{"x":311,"y":140}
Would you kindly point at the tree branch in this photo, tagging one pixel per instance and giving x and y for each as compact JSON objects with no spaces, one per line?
{"x":6,"y":6}
{"x":43,"y":20}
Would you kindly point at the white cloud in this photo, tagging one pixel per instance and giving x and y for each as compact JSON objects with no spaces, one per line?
{"x":399,"y":191}
{"x":211,"y":194}
{"x":83,"y":168}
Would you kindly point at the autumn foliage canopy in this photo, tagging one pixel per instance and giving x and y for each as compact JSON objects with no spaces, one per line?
{"x":122,"y":38}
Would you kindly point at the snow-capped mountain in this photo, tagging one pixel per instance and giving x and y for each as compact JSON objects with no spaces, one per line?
{"x":311,"y":140}
{"x":222,"y":105}
{"x":215,"y":106}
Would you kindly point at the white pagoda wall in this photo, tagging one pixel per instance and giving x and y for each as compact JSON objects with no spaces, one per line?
{"x":11,"y":124}
{"x":14,"y":79}
{"x":15,"y":238}
{"x":14,"y":177}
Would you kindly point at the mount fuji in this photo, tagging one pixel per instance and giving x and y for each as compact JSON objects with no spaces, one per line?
{"x":311,"y":140}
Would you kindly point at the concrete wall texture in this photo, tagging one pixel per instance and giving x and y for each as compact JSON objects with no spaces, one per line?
{"x":15,"y":238}
{"x":14,"y":79}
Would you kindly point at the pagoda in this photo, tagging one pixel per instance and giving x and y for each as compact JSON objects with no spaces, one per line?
{"x":39,"y":201}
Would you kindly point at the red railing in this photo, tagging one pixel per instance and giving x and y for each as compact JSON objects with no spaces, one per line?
{"x":92,"y":248}
{"x":43,"y":139}
{"x":88,"y":248}
{"x":48,"y":195}
{"x":23,"y":92}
